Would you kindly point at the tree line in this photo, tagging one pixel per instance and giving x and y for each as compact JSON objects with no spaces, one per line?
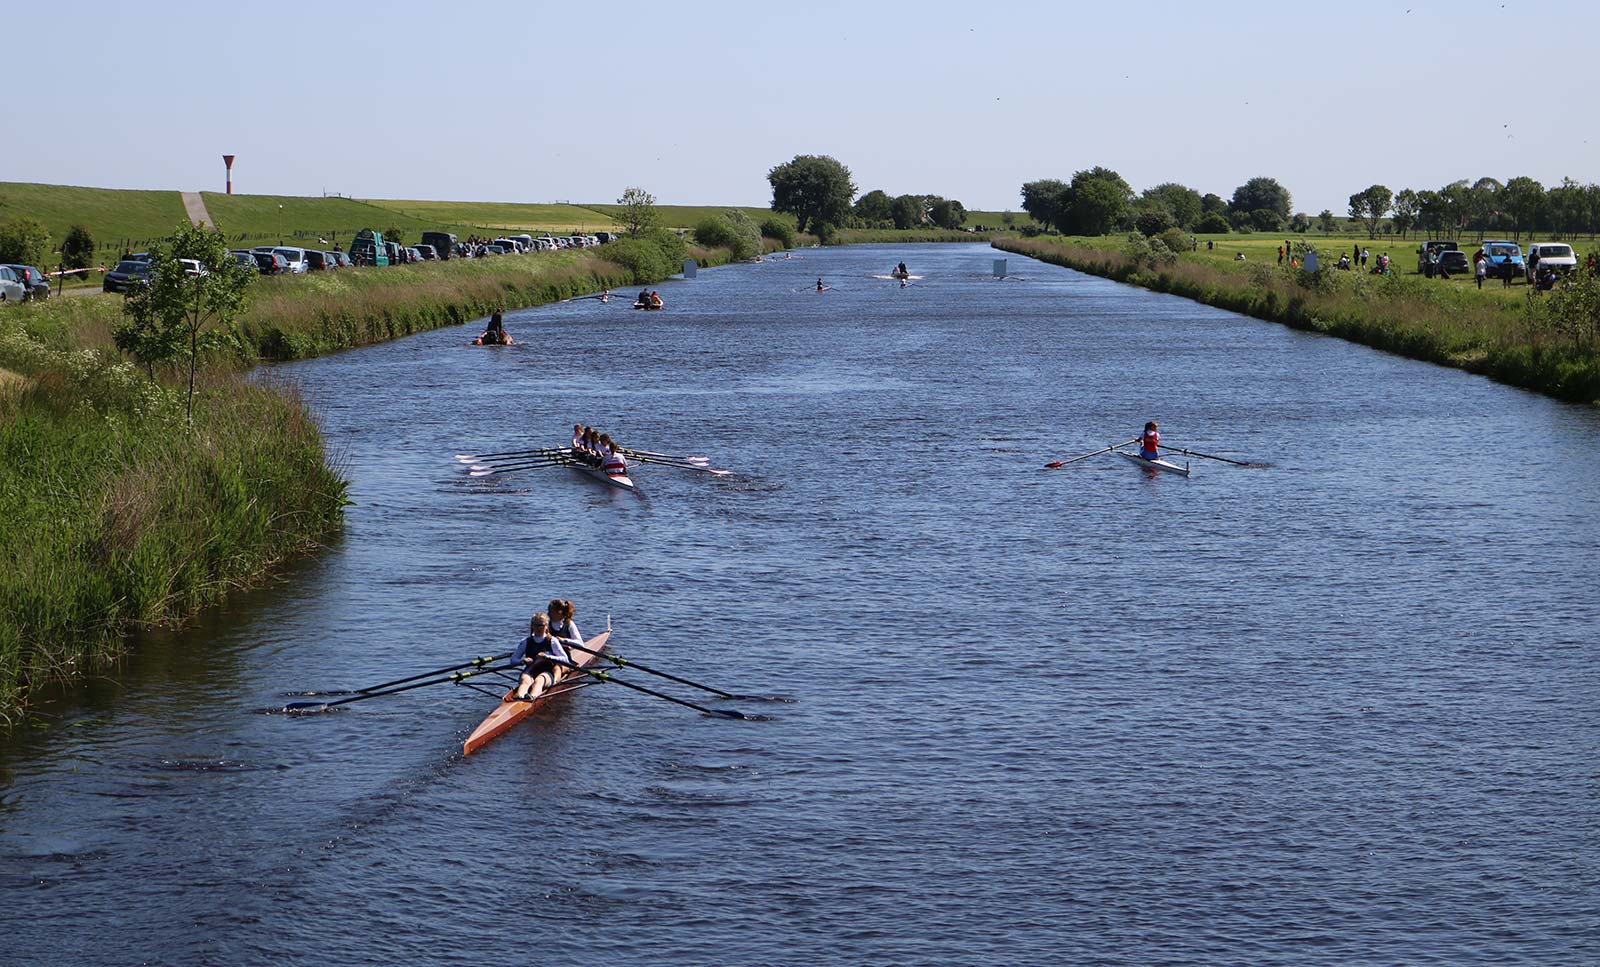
{"x":1098,"y":201}
{"x":818,"y":191}
{"x":1486,"y":206}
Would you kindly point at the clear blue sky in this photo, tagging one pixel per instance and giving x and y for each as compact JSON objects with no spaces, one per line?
{"x":537,"y":101}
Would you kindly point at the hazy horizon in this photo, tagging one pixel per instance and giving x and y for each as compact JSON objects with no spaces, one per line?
{"x":540,"y":103}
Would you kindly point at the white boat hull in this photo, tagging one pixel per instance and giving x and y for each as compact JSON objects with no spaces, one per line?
{"x":1162,"y":465}
{"x":621,"y":481}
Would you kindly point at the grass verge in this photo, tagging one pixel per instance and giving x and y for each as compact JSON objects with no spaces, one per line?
{"x":1449,"y":323}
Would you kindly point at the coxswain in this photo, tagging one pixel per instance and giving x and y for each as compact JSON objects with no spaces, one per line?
{"x":644,"y":299}
{"x":495,"y":335}
{"x":539,"y":656}
{"x":904,"y":271}
{"x":1150,"y":442}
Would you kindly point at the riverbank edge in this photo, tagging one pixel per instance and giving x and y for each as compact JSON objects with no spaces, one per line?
{"x":1550,"y":370}
{"x":126,"y":574}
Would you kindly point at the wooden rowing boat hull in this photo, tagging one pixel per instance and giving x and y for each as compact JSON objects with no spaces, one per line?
{"x":508,"y":713}
{"x":1153,"y":464}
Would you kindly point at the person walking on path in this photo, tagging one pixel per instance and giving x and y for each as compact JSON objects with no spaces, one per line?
{"x":1280,"y":255}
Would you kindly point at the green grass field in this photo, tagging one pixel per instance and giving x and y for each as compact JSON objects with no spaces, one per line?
{"x":512,"y":216}
{"x":271,"y":218}
{"x":110,"y":214}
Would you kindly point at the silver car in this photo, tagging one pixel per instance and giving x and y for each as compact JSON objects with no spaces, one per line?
{"x":11,"y":288}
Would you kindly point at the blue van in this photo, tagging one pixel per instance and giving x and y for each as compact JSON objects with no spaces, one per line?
{"x":369,"y":248}
{"x":1505,"y":258}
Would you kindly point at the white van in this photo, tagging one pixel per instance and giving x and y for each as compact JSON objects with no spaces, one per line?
{"x":1549,"y":255}
{"x":296,"y":258}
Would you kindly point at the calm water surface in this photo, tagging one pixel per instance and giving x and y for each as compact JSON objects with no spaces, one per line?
{"x":1338,"y":710}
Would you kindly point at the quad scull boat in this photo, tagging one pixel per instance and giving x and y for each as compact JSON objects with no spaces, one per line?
{"x":510,"y":711}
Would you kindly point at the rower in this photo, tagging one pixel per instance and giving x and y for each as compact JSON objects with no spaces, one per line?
{"x":562,"y":627}
{"x":644,"y":298}
{"x":819,"y":284}
{"x":655,"y":299}
{"x":1149,"y":442}
{"x":591,"y":446}
{"x":496,"y":334}
{"x":538,"y":655}
{"x":605,"y":295}
{"x":611,"y":458}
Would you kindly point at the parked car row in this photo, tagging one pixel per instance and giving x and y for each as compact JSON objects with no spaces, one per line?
{"x":1504,"y":258}
{"x":32,"y":283}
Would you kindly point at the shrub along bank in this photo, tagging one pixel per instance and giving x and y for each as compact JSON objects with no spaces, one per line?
{"x":1526,"y":344}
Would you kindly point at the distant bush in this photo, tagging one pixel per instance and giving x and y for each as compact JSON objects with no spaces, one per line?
{"x":24,"y":240}
{"x":652,"y":255}
{"x":827,"y":233}
{"x":77,"y":250}
{"x":1212,"y":223}
{"x":1154,"y":221}
{"x":778,"y":230}
{"x":732,"y":230}
{"x":713,"y":230}
{"x":1176,"y":239}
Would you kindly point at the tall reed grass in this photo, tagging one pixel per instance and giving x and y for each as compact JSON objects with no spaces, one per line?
{"x":1442,"y":323}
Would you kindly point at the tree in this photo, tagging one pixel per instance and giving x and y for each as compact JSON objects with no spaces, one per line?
{"x":1405,"y":209}
{"x":948,"y":213}
{"x":168,"y":317}
{"x":874,"y":207}
{"x":1261,"y":192}
{"x":779,"y":230}
{"x":1007,"y":219}
{"x":1265,"y":220}
{"x":1213,"y":203}
{"x":638,"y":211}
{"x":395,"y":234}
{"x":1521,"y":199}
{"x":1370,"y":206}
{"x":1212,"y":223}
{"x":1047,"y":201}
{"x":77,"y":249}
{"x":908,"y":211}
{"x":812,"y":188}
{"x":24,"y":240}
{"x":1184,"y":203}
{"x":1301,"y":223}
{"x":1154,"y":220}
{"x":1100,"y":200}
{"x":1327,"y":222}
{"x":1483,"y":204}
{"x":1430,"y":214}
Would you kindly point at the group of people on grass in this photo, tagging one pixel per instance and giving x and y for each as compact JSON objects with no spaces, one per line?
{"x":542,"y":657}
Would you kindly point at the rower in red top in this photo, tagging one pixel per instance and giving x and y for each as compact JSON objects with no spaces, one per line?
{"x":611,"y":458}
{"x":1150,"y":441}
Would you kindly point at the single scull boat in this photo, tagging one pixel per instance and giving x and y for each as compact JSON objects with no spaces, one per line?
{"x":510,"y":711}
{"x":1157,"y":464}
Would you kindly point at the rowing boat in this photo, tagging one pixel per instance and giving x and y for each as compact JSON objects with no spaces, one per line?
{"x":619,"y":480}
{"x":1157,"y":464}
{"x":510,"y":711}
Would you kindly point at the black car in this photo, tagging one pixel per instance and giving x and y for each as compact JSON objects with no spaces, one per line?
{"x":270,"y":263}
{"x":316,"y":261}
{"x":33,"y":280}
{"x":126,"y":275}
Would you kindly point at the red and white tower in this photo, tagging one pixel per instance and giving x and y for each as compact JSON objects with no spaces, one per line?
{"x":227,"y":161}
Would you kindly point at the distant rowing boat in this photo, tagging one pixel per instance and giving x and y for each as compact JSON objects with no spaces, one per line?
{"x":1157,"y":464}
{"x":510,"y":711}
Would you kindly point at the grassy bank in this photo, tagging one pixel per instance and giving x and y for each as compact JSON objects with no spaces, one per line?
{"x":117,"y":512}
{"x":1449,"y":323}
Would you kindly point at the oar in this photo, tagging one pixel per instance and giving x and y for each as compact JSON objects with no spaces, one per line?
{"x":470,"y":457}
{"x":622,"y":662}
{"x":1208,"y":456}
{"x":474,"y":663}
{"x":1058,"y":464}
{"x":303,"y":708}
{"x":686,"y":466}
{"x":512,"y":461}
{"x":606,"y":677}
{"x":628,"y":452}
{"x":517,"y":467}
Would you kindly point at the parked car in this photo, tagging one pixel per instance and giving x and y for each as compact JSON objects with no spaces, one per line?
{"x":396,"y":257}
{"x":137,"y":257}
{"x":296,"y":257}
{"x":427,"y":252}
{"x":11,"y":287}
{"x":1432,"y":245}
{"x":1455,"y":262}
{"x":342,"y":259}
{"x":271,"y":263}
{"x":413,"y":254}
{"x":1505,"y":258}
{"x":606,"y":238}
{"x":495,"y":249}
{"x":36,"y":283}
{"x":245,"y":258}
{"x":369,"y":248}
{"x":127,"y":274}
{"x":316,"y":261}
{"x":193,"y":267}
{"x":1555,"y":256}
{"x":443,"y":243}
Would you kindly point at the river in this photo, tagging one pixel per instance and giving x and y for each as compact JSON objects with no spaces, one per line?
{"x":1338,"y":709}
